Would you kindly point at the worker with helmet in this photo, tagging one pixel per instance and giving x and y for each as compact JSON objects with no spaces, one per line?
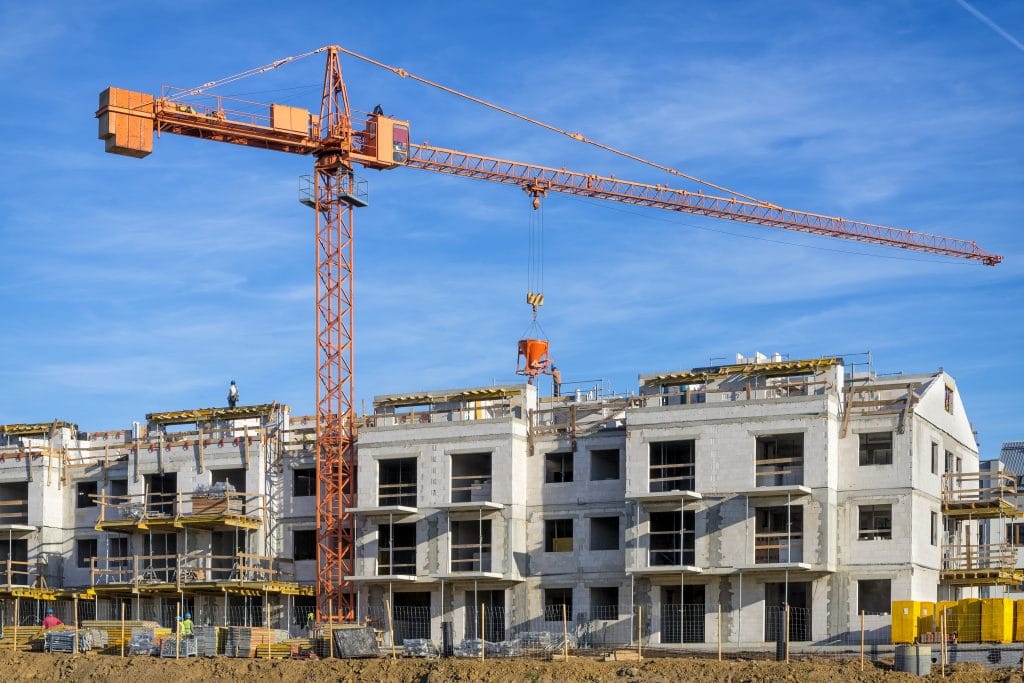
{"x":185,"y":626}
{"x":51,"y":620}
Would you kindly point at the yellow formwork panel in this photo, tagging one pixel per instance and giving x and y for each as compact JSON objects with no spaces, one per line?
{"x":967,"y":615}
{"x":926,"y":622}
{"x":1018,"y":620}
{"x":907,"y":618}
{"x":996,"y":620}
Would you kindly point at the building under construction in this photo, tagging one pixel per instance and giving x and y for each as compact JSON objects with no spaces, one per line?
{"x":705,"y":499}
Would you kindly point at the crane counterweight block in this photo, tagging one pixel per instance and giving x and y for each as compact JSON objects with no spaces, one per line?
{"x":126,"y":122}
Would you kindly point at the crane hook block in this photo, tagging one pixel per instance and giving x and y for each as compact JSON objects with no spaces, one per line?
{"x":533,"y":358}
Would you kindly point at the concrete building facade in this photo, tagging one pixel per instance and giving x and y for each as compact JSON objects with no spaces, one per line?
{"x":741,"y":487}
{"x":702,"y":502}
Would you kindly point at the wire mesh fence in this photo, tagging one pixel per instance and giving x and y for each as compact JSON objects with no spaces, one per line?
{"x":970,"y":630}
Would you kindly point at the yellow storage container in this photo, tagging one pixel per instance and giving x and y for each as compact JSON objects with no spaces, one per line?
{"x":996,"y":620}
{"x":967,"y":615}
{"x":907,"y":617}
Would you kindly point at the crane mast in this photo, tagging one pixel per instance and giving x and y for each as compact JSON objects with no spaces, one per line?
{"x":334,"y":201}
{"x":128,"y":121}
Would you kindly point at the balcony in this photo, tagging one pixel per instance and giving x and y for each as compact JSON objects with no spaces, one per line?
{"x":210,"y":509}
{"x":979,"y":495}
{"x":19,"y":574}
{"x":964,"y":564}
{"x":195,"y":570}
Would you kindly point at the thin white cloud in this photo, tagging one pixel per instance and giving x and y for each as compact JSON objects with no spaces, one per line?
{"x":1000,"y":31}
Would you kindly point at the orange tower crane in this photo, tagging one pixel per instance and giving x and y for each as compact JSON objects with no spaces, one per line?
{"x":128,"y":120}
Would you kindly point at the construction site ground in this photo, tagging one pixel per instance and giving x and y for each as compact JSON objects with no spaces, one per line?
{"x":25,"y":666}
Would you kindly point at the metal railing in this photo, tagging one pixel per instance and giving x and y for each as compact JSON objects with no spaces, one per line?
{"x":14,"y":511}
{"x":145,"y":507}
{"x":441,"y":415}
{"x":184,"y":568}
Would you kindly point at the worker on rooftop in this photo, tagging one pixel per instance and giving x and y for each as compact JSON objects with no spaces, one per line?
{"x":51,"y":620}
{"x":556,"y":382}
{"x":232,"y":395}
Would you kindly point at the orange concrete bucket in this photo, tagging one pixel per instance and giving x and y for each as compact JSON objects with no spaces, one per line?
{"x":533,"y":356}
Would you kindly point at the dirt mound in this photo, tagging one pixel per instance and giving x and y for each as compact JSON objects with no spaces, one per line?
{"x":19,"y":666}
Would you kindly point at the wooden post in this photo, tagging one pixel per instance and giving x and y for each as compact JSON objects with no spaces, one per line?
{"x":719,"y":631}
{"x":639,"y":633}
{"x":330,"y":627}
{"x":177,"y":631}
{"x":122,"y":628}
{"x":565,"y":631}
{"x":942,"y":647}
{"x":484,"y":640}
{"x":786,"y":632}
{"x":862,"y":640}
{"x":391,"y":628}
{"x":17,"y":618}
{"x":266,"y":617}
{"x":76,"y":627}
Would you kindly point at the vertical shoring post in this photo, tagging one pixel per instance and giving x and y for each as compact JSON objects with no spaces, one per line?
{"x":335,"y":423}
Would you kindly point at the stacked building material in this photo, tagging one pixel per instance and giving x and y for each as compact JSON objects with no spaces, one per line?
{"x":420,"y":647}
{"x":210,"y":640}
{"x":170,"y":647}
{"x":470,"y":647}
{"x":100,"y":638}
{"x":242,"y":641}
{"x":544,"y":641}
{"x":64,"y":641}
{"x":273,"y":651}
{"x":146,"y":639}
{"x":112,"y":630}
{"x":29,"y":638}
{"x":213,"y":500}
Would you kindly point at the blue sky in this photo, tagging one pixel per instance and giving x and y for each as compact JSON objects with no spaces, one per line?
{"x":130,"y":286}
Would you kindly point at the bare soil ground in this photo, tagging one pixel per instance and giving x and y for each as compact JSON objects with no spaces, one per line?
{"x":24,"y":666}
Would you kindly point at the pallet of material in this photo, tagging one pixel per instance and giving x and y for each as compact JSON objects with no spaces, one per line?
{"x":146,"y":640}
{"x":210,"y":640}
{"x":242,"y":641}
{"x":112,"y":630}
{"x":204,"y":505}
{"x":64,"y":641}
{"x":171,"y":648}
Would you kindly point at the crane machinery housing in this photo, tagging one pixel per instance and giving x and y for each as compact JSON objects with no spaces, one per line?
{"x":129,"y":119}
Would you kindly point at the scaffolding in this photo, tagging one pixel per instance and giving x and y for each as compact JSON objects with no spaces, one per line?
{"x":976,"y":496}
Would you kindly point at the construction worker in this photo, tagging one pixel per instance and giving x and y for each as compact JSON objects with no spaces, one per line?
{"x":556,"y":382}
{"x":186,"y":626}
{"x":50,"y":620}
{"x":232,"y":395}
